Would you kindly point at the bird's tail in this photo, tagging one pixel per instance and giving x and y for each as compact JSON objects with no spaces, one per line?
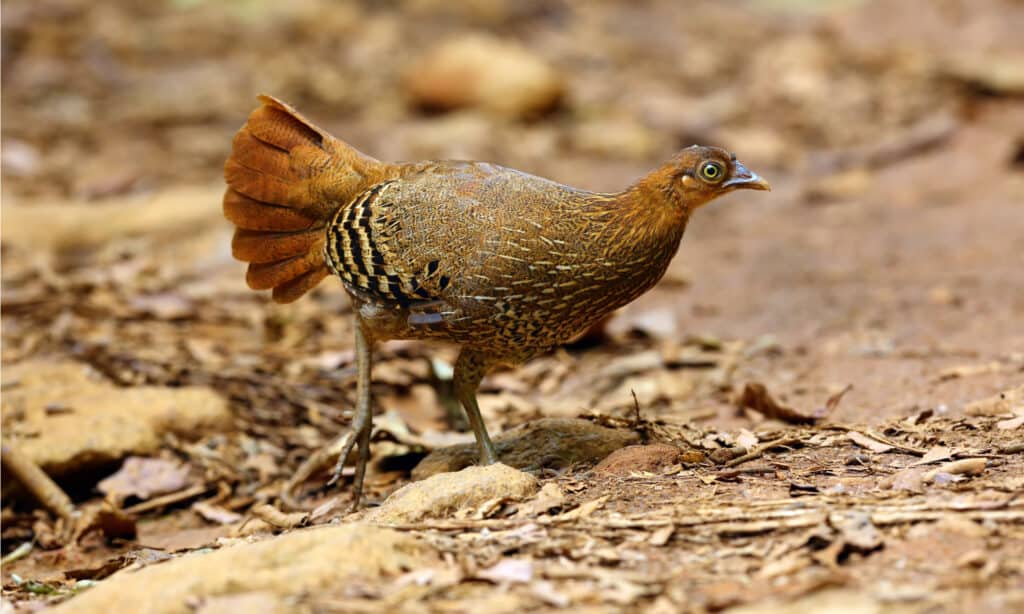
{"x":286,"y":177}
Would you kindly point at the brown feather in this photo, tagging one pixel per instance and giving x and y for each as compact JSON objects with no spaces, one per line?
{"x":292,"y":290}
{"x":254,"y":154}
{"x":261,"y":246}
{"x":286,"y":177}
{"x":251,"y":214}
{"x":266,"y":275}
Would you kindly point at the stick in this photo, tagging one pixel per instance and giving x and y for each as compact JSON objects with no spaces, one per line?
{"x":759,"y":451}
{"x":44,"y":489}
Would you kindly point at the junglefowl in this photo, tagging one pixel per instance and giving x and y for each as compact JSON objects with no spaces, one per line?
{"x":503,"y":263}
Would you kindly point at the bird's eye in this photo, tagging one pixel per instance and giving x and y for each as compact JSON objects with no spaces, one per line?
{"x":712,"y":172}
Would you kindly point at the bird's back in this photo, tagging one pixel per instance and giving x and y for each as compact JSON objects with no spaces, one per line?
{"x":482,"y":255}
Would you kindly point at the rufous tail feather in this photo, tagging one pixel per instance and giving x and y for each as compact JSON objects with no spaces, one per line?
{"x":286,"y":177}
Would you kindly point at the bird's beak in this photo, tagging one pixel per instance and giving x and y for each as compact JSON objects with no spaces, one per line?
{"x":746,"y":179}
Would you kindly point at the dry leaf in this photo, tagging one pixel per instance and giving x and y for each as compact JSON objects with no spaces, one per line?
{"x":936,"y":454}
{"x":661,"y":536}
{"x":866,"y":442}
{"x":755,"y":396}
{"x":550,"y":497}
{"x":143,"y":478}
{"x":747,"y":439}
{"x":512,"y":571}
{"x":857,"y":531}
{"x":1012,"y":423}
{"x":967,"y":466}
{"x":584,"y":510}
{"x":215,"y":513}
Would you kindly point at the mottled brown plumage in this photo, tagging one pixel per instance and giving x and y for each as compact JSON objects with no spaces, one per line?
{"x":504,"y":263}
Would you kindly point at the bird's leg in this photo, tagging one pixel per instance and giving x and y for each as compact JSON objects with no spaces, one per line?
{"x":362,"y":423}
{"x":470,"y":368}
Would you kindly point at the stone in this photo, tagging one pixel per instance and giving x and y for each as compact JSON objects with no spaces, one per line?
{"x":485,"y":72}
{"x":554,"y":443}
{"x":632,"y":459}
{"x":67,"y":418}
{"x":266,"y":572}
{"x":444,"y":494}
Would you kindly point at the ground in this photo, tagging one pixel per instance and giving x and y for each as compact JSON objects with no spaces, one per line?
{"x":836,"y":366}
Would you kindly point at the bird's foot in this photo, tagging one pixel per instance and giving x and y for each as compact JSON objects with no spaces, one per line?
{"x":340,"y":449}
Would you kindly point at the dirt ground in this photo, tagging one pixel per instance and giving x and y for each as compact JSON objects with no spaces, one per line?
{"x":837,"y":366}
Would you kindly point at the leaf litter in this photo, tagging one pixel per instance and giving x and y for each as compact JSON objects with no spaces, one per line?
{"x":903,"y":489}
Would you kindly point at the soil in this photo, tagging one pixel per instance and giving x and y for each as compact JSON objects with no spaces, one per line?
{"x":826,"y":359}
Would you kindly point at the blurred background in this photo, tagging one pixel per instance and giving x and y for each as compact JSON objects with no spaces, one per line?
{"x":892,"y":133}
{"x":889,"y":257}
{"x":124,"y":97}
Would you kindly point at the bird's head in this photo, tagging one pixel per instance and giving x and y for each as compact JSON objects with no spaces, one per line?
{"x":699,"y":174}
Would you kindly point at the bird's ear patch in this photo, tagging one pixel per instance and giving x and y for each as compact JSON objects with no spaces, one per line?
{"x":689,"y":181}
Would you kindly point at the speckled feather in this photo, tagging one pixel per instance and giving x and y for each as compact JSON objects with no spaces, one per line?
{"x":490,"y":257}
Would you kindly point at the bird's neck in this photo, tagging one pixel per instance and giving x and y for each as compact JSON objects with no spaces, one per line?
{"x":638,"y":231}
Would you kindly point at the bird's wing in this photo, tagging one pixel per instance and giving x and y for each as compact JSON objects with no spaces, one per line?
{"x":460,"y":236}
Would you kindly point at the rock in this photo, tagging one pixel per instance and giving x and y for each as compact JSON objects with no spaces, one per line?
{"x":617,"y":137}
{"x":445,"y":493}
{"x":548,"y":442}
{"x":275,"y":569}
{"x":998,"y":73}
{"x":844,"y":185}
{"x":649,"y":458}
{"x":1004,"y":403}
{"x":67,"y":418}
{"x":65,"y":225}
{"x":486,"y":72}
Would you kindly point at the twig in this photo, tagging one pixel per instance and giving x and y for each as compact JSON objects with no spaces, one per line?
{"x":275,"y":517}
{"x":1013,"y":448}
{"x":44,"y":489}
{"x":167,"y":499}
{"x":732,"y":473}
{"x":323,"y":457}
{"x":879,"y":438}
{"x":636,"y":409}
{"x":19,"y":552}
{"x":759,"y":451}
{"x":738,"y":521}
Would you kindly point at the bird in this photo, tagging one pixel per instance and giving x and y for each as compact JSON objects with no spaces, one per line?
{"x":503,"y":263}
